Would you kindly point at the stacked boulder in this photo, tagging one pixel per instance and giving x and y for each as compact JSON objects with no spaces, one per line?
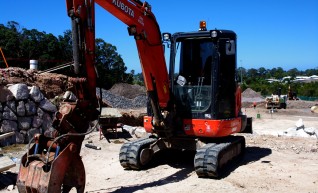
{"x":300,"y":130}
{"x":25,"y":111}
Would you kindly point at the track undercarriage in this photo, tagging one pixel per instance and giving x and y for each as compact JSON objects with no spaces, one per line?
{"x":210,"y":160}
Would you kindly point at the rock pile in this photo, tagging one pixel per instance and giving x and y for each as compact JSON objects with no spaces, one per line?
{"x":25,"y":111}
{"x":128,"y":90}
{"x":50,"y":84}
{"x":117,"y":101}
{"x":301,"y":131}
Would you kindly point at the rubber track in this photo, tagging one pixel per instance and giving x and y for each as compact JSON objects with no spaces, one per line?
{"x":130,"y":151}
{"x":207,"y":158}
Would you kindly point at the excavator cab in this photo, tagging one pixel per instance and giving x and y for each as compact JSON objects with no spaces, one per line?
{"x":203,"y":70}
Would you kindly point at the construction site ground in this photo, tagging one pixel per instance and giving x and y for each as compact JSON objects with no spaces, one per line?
{"x":272,"y":163}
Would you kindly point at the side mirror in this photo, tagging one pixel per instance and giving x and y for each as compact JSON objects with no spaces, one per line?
{"x":166,"y":37}
{"x":230,"y":47}
{"x":181,"y":80}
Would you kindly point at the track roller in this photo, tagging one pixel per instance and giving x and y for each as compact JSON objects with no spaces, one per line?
{"x":136,"y":154}
{"x":212,"y":158}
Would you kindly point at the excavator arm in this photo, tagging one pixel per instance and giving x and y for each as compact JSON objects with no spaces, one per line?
{"x":143,"y":26}
{"x":53,"y":162}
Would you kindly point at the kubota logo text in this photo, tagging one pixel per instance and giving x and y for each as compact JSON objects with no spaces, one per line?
{"x":124,"y":7}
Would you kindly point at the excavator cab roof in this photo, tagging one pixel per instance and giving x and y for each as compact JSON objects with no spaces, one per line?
{"x":214,"y":34}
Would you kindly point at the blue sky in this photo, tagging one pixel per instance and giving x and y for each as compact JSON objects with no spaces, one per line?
{"x":271,"y":33}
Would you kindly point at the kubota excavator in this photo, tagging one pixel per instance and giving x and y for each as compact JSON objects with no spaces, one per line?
{"x":196,"y":106}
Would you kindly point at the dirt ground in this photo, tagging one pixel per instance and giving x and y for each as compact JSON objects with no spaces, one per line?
{"x":271,"y":163}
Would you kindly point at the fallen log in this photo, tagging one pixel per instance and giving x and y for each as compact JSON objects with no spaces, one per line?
{"x":3,"y":136}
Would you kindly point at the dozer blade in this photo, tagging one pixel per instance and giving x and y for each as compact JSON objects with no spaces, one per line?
{"x":211,"y":159}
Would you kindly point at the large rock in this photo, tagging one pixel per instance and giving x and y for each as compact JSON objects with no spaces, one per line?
{"x":21,"y":108}
{"x":138,"y":132}
{"x":8,"y":126}
{"x":46,"y":105}
{"x":36,"y":94}
{"x":47,"y":122}
{"x":30,"y":108}
{"x":24,"y":123}
{"x":8,"y":114}
{"x":40,"y":112}
{"x":5,"y":94}
{"x":12,"y":106}
{"x":311,"y":130}
{"x":20,"y":137}
{"x":19,"y":91}
{"x":37,"y":122}
{"x":314,"y":109}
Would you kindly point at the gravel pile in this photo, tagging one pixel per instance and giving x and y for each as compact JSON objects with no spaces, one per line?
{"x":117,"y":101}
{"x":128,"y":90}
{"x":250,"y":95}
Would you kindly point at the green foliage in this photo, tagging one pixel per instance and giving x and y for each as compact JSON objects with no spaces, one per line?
{"x":110,"y":65}
{"x":256,"y":80}
{"x":21,"y":45}
{"x":308,"y":89}
{"x":139,"y":79}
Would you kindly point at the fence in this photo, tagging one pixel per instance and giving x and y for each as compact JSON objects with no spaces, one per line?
{"x":305,"y":98}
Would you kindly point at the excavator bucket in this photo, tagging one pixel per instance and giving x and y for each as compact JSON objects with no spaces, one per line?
{"x":60,"y":174}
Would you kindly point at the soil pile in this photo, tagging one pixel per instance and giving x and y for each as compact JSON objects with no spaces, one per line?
{"x":249,"y":96}
{"x":115,"y":101}
{"x":50,"y":84}
{"x":128,"y":90}
{"x":300,"y":104}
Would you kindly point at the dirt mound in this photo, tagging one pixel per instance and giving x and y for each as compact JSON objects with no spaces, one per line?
{"x":128,"y":90}
{"x":250,"y":93}
{"x":300,"y":104}
{"x":50,"y":84}
{"x":249,"y":96}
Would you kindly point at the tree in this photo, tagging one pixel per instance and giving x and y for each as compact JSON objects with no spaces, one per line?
{"x":65,"y":44}
{"x":22,"y":45}
{"x":139,"y":79}
{"x":9,"y":39}
{"x":252,"y":72}
{"x":110,"y":65}
{"x":293,"y":72}
{"x":262,"y":72}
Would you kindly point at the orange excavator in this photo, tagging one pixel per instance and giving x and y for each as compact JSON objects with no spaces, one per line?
{"x":196,"y":106}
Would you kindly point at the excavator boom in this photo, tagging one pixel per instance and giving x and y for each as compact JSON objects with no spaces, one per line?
{"x":52,"y":163}
{"x":143,"y":26}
